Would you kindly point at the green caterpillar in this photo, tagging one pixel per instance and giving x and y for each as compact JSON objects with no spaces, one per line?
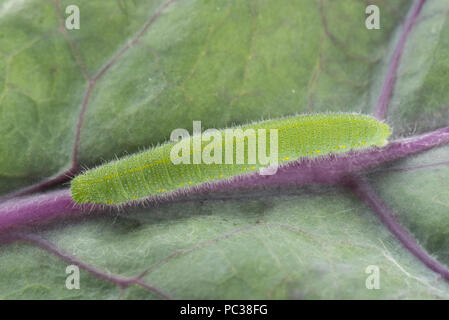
{"x":156,"y":171}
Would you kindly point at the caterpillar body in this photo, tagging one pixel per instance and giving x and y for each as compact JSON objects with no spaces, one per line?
{"x":152,"y":172}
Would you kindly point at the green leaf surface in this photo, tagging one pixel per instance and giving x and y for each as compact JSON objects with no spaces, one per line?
{"x":222,"y":62}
